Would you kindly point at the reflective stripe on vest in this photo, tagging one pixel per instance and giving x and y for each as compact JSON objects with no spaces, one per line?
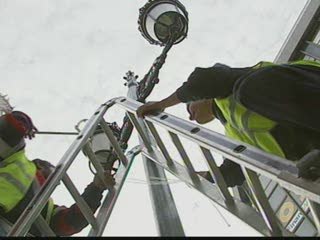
{"x":247,"y":126}
{"x":250,"y":127}
{"x":16,"y":176}
{"x":299,"y":62}
{"x":36,"y":186}
{"x":306,"y":62}
{"x":50,"y":211}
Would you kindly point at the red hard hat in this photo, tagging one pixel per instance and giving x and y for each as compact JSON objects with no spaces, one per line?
{"x":14,"y":127}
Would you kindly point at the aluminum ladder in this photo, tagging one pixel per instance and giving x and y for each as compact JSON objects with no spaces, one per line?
{"x":267,"y":176}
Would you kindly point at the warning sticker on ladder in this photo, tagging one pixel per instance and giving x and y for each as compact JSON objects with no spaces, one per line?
{"x":286,"y":212}
{"x":298,"y":218}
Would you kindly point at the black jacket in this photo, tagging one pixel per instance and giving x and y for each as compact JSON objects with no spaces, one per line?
{"x":287,"y":94}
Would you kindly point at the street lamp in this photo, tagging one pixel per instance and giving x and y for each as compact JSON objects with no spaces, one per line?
{"x":163,"y":20}
{"x":164,"y":23}
{"x":102,"y":147}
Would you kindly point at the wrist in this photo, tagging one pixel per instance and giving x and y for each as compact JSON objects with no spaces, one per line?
{"x":159,"y":104}
{"x":96,"y":186}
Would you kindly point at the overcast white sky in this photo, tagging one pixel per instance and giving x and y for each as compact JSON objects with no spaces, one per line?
{"x":60,"y":59}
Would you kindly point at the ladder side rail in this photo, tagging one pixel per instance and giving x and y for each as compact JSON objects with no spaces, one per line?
{"x":168,"y":221}
{"x":176,"y":141}
{"x":216,"y":174}
{"x":38,"y":202}
{"x":167,"y":218}
{"x":110,"y":200}
{"x":262,"y":201}
{"x":278,"y":169}
{"x":237,"y":208}
{"x":303,"y":30}
{"x":206,"y":137}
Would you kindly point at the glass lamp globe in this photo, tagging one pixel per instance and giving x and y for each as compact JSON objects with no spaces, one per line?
{"x":163,"y":20}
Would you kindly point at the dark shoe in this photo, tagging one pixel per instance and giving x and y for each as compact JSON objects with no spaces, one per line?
{"x":206,"y":175}
{"x":231,"y":173}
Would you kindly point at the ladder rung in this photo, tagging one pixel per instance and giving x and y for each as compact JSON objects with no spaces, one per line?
{"x":176,"y":141}
{"x":141,"y":132}
{"x":43,"y":226}
{"x":312,"y":50}
{"x":113,"y":141}
{"x":315,"y":211}
{"x":244,"y":212}
{"x":97,"y":165}
{"x":159,"y":142}
{"x":262,"y":201}
{"x":216,"y":174}
{"x":83,"y":206}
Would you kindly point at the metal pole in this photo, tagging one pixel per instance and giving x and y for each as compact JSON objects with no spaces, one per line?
{"x":56,"y":133}
{"x":165,"y":211}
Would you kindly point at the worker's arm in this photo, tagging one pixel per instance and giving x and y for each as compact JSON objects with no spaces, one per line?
{"x":68,"y":221}
{"x":203,"y":83}
{"x":152,"y":107}
{"x":209,"y":83}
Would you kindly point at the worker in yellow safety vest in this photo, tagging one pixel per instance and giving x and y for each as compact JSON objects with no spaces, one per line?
{"x":270,"y":106}
{"x":21,"y":179}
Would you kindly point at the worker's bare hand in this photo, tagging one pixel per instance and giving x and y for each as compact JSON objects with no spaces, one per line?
{"x":149,"y":108}
{"x":109,"y":181}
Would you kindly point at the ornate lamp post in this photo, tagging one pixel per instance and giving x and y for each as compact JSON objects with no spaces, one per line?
{"x":164,"y":23}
